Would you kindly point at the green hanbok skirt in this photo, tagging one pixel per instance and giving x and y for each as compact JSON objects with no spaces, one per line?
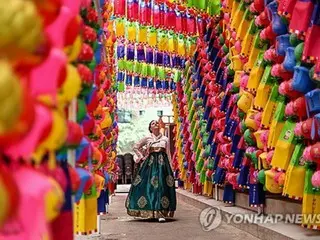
{"x":152,"y":193}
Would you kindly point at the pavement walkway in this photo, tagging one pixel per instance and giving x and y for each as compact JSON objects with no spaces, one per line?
{"x":117,"y":225}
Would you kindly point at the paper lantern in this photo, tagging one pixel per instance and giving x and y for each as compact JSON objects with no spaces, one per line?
{"x":75,"y":134}
{"x":56,"y":137}
{"x":75,"y":179}
{"x":316,"y":180}
{"x":72,"y":30}
{"x":54,"y":200}
{"x":301,"y":16}
{"x":41,"y":128}
{"x":86,"y":53}
{"x":85,"y":181}
{"x":119,"y":7}
{"x":25,"y":122}
{"x":156,"y":18}
{"x":120,"y":27}
{"x":83,"y":151}
{"x":85,"y":74}
{"x":11,"y":95}
{"x":26,"y":36}
{"x":99,"y":183}
{"x":71,"y":87}
{"x":92,"y":100}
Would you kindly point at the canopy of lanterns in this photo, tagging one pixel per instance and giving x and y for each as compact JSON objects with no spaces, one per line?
{"x":58,"y":130}
{"x":154,"y":40}
{"x":247,"y":106}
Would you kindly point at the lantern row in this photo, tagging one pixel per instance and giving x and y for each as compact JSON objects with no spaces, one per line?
{"x":46,"y":129}
{"x":165,"y":15}
{"x":128,"y":80}
{"x":148,"y":70}
{"x":162,"y":40}
{"x":127,"y":55}
{"x":247,"y":107}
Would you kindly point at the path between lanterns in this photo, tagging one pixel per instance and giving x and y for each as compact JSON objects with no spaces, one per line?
{"x":117,"y":225}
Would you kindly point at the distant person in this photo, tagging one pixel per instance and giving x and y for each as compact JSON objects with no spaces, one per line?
{"x":152,"y":193}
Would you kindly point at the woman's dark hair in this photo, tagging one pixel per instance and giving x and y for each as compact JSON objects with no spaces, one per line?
{"x":150,"y":126}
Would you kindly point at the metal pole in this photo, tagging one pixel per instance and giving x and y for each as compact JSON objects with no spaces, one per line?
{"x":216,"y":192}
{"x":72,"y":116}
{"x":99,"y":224}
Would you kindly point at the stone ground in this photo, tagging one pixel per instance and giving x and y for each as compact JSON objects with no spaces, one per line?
{"x":117,"y":225}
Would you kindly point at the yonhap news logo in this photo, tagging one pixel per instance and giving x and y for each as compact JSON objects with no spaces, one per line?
{"x":211,"y":218}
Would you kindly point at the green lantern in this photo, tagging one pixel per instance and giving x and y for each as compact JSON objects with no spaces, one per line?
{"x":152,"y":71}
{"x":221,"y":40}
{"x":294,"y":40}
{"x":161,"y":73}
{"x":214,"y":7}
{"x":210,"y":164}
{"x":298,"y":52}
{"x":137,"y":68}
{"x":199,"y":165}
{"x":262,"y":177}
{"x":129,"y":66}
{"x":206,"y":152}
{"x":205,"y":139}
{"x":121,"y":63}
{"x":249,"y":137}
{"x":225,"y":49}
{"x":144,"y":69}
{"x":203,"y":176}
{"x":82,"y":110}
{"x":121,"y":87}
{"x":92,"y":64}
{"x":177,"y":76}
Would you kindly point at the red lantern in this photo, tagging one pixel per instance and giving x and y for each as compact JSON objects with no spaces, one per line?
{"x":136,"y":10}
{"x":156,"y":15}
{"x":301,"y":16}
{"x":88,"y":185}
{"x":179,"y":23}
{"x":148,"y":20}
{"x":86,"y":54}
{"x":75,"y":134}
{"x":72,"y":31}
{"x":88,"y":125}
{"x":143,"y":14}
{"x":92,"y":15}
{"x":85,"y":74}
{"x":75,"y":179}
{"x":89,"y":34}
{"x":133,"y":10}
{"x":49,"y":10}
{"x":119,"y":8}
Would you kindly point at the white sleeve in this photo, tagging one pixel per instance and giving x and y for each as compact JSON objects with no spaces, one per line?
{"x":137,"y":148}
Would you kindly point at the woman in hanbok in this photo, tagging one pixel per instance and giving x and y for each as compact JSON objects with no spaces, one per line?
{"x":152,"y":194}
